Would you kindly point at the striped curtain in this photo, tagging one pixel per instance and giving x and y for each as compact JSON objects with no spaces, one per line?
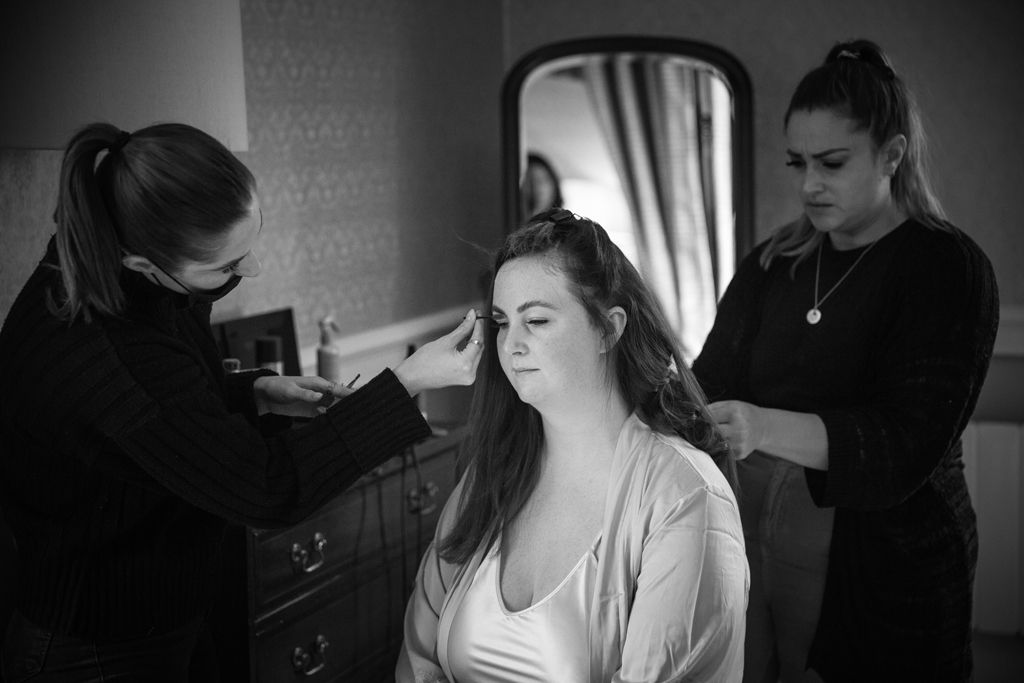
{"x":655,"y":114}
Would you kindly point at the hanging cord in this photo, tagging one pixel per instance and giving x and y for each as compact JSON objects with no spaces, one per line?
{"x":403,"y":511}
{"x":419,"y":517}
{"x":355,"y":561}
{"x":384,"y":555}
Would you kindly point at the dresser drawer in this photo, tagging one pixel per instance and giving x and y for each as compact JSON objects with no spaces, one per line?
{"x":382,"y":518}
{"x":349,"y":636}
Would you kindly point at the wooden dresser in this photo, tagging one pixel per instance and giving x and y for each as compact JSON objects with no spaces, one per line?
{"x":325,"y":599}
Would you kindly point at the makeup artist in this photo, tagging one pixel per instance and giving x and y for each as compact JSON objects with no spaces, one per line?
{"x":845,"y":360}
{"x":124,"y":447}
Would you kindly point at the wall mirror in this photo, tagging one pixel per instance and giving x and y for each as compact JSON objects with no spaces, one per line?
{"x":651,"y":138}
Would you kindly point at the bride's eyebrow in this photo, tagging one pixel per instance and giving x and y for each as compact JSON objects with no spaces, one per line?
{"x":819,"y":155}
{"x":528,"y":304}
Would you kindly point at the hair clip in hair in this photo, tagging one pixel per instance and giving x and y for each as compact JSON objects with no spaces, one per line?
{"x":562,"y":215}
{"x":857,"y":56}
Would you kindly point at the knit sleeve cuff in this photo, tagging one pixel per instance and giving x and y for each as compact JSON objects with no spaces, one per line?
{"x":826,"y":487}
{"x":378,"y":420}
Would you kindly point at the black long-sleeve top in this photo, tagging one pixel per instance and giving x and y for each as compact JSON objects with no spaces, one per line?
{"x":893,"y":369}
{"x":125,"y":450}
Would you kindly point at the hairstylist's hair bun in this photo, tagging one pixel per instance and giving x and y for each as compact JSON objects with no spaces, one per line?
{"x":863,"y":51}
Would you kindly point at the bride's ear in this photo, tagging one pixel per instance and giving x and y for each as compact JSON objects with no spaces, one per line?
{"x":616,"y":317}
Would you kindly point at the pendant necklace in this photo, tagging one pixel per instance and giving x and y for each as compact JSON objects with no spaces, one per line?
{"x":814,"y":314}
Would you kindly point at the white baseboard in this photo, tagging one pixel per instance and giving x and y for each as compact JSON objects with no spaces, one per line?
{"x":994,"y":469}
{"x":1010,"y":338}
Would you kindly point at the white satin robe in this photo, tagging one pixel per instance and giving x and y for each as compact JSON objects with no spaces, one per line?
{"x":670,"y":596}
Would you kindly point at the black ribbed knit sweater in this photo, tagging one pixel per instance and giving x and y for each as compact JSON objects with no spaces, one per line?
{"x":894,"y":369}
{"x":124,"y":448}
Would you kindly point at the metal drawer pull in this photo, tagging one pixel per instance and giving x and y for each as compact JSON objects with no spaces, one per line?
{"x":302,"y":661}
{"x":301,"y":557}
{"x":422,"y":501}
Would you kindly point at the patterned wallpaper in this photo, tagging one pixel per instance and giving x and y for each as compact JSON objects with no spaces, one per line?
{"x":374,"y":137}
{"x":362,"y":161}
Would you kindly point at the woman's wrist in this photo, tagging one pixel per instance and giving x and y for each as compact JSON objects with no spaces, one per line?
{"x":797,"y":437}
{"x":407,"y":379}
{"x":259,"y":395}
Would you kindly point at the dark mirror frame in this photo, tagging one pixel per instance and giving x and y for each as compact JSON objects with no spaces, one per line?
{"x":742,"y":129}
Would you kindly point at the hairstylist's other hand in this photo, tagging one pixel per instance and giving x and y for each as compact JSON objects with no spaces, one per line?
{"x":742,"y":425}
{"x":296,"y":396}
{"x":445,"y":362}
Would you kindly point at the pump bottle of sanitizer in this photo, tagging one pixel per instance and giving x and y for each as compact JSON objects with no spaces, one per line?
{"x":328,"y":355}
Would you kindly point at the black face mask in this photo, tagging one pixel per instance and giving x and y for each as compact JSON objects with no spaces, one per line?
{"x":211,"y":295}
{"x":206,"y":295}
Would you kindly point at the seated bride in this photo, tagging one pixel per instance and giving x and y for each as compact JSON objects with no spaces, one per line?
{"x":595,"y":535}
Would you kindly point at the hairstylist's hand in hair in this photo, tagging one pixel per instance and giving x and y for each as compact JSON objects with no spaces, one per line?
{"x":450,"y":360}
{"x":798,"y":437}
{"x":295,"y":396}
{"x":741,"y":424}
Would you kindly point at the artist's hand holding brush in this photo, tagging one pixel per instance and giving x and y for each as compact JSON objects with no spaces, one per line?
{"x":447,"y":361}
{"x":297,"y":396}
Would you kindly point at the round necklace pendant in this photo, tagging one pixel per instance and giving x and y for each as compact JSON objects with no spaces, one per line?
{"x":813,"y":316}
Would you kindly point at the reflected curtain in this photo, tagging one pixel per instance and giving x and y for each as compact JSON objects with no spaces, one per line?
{"x":655,"y":114}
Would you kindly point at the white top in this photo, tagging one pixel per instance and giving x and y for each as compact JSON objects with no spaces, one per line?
{"x":545,"y":642}
{"x":669,"y":597}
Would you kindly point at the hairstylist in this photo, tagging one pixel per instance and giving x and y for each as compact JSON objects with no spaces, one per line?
{"x":124,"y":447}
{"x":845,"y":360}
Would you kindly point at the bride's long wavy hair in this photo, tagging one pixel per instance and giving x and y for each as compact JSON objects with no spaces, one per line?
{"x":502,"y":449}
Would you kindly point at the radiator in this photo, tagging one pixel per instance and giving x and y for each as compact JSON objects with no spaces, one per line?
{"x":994,"y":467}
